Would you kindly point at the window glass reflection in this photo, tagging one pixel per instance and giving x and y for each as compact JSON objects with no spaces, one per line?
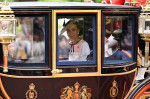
{"x":75,"y":38}
{"x":118,"y":38}
{"x":29,"y":44}
{"x":147,"y":26}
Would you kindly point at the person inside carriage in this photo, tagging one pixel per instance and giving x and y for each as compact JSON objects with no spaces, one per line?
{"x":79,"y":48}
{"x":118,"y":41}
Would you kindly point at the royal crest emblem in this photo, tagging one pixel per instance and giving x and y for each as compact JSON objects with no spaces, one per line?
{"x":76,"y":92}
{"x":114,"y":89}
{"x":31,"y":93}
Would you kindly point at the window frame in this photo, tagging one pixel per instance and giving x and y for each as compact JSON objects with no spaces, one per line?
{"x":133,"y":39}
{"x":131,"y":63}
{"x":34,"y":66}
{"x":54,"y":43}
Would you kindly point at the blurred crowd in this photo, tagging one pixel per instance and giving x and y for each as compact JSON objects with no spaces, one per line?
{"x":29,"y":45}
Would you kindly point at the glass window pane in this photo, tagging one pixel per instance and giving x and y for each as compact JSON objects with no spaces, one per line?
{"x":29,"y":44}
{"x":75,"y":39}
{"x":147,"y":26}
{"x":118,"y":39}
{"x":7,"y":27}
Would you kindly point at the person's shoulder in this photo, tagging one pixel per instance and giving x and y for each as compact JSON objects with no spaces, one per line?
{"x":83,"y":43}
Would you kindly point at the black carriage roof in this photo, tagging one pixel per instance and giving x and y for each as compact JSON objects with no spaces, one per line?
{"x":66,"y":5}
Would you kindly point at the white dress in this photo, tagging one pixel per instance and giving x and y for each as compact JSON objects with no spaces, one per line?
{"x":79,"y":51}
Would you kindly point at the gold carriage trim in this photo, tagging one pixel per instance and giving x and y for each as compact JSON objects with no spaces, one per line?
{"x":31,"y":93}
{"x":114,"y":89}
{"x":76,"y":92}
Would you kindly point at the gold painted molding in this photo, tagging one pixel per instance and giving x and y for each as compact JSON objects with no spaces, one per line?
{"x":54,"y":20}
{"x":3,"y":90}
{"x":115,"y":74}
{"x":90,"y":74}
{"x":132,"y":86}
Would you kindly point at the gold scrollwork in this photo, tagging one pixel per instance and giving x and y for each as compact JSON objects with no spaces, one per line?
{"x":31,"y":93}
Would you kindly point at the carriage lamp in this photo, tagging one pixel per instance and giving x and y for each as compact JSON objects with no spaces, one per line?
{"x":7,"y":30}
{"x":144,"y":29}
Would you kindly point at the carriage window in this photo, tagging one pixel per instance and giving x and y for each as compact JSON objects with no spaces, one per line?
{"x":29,"y":44}
{"x":75,"y":44}
{"x":118,"y":39}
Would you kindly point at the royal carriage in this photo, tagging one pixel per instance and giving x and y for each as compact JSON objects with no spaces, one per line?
{"x":39,"y":66}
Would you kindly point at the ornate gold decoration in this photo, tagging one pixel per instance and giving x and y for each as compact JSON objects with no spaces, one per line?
{"x":144,"y":30}
{"x":31,"y":93}
{"x":126,"y":69}
{"x":77,"y":70}
{"x":114,"y":89}
{"x":76,"y":92}
{"x":56,"y":71}
{"x":7,"y":21}
{"x":146,"y":38}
